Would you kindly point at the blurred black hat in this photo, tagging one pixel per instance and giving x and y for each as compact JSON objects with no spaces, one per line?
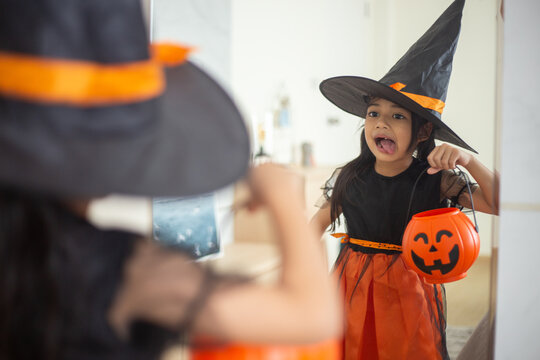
{"x":87,"y":108}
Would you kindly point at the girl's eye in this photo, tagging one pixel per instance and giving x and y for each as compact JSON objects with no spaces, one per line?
{"x":399,"y":116}
{"x":373,"y":114}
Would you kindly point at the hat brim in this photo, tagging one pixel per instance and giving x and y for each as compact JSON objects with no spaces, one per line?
{"x":190,"y":140}
{"x":349,"y":94}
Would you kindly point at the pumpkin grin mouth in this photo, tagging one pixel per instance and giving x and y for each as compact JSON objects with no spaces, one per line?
{"x":437,"y":264}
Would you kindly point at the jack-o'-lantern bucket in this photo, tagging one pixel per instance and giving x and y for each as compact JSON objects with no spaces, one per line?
{"x":327,"y":350}
{"x":441,"y":244}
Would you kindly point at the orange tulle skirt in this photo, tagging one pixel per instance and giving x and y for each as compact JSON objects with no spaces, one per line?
{"x":391,"y":313}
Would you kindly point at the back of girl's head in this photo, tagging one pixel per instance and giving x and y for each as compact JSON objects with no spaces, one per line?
{"x":366,"y":159}
{"x":28,"y":306}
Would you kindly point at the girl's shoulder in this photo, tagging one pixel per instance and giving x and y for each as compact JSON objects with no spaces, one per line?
{"x":451,"y":183}
{"x":328,"y":187}
{"x":331,"y":181}
{"x":454,"y":187}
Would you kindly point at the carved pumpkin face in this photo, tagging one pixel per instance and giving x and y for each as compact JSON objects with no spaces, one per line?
{"x":440,"y":245}
{"x":437,"y":251}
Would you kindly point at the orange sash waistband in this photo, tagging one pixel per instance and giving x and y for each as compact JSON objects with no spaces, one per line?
{"x":345,"y":238}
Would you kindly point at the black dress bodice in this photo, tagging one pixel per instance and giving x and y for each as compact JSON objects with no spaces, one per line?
{"x":376,"y":207}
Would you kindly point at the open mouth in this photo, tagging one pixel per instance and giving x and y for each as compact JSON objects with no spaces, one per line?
{"x":385,"y":144}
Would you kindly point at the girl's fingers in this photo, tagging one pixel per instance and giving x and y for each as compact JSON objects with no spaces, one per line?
{"x":443,"y":157}
{"x":444,"y":160}
{"x":449,"y":159}
{"x":437,"y":158}
{"x":432,"y":157}
{"x":463,"y":159}
{"x":455,"y":160}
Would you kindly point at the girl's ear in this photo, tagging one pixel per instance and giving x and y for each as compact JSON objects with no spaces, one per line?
{"x":425,"y":131}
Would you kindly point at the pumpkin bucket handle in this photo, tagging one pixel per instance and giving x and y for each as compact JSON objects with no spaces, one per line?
{"x":467,"y":181}
{"x":466,"y":178}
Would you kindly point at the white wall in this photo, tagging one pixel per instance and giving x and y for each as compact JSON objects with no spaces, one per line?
{"x":289,"y":47}
{"x":518,"y":293}
{"x":204,"y":24}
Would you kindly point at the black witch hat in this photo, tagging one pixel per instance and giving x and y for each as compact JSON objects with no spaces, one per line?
{"x":418,"y":81}
{"x":87,"y":108}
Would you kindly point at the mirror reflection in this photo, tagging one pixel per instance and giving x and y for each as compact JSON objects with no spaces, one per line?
{"x":272,"y":56}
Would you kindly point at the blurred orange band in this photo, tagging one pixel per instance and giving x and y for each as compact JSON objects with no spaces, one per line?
{"x":427,"y":102}
{"x":86,"y":83}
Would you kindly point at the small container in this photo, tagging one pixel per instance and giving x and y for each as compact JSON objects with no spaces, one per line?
{"x":441,"y":244}
{"x":327,"y":350}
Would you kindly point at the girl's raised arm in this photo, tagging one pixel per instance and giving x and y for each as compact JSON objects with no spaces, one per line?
{"x":486,"y":197}
{"x":303,"y":306}
{"x":447,"y":157}
{"x":321,"y":220}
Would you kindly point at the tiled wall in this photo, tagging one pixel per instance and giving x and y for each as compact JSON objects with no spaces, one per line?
{"x":518,"y":290}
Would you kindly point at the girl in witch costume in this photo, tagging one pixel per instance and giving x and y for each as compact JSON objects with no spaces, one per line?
{"x":391,"y":312}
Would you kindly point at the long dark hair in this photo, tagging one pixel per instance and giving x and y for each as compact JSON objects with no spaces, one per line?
{"x":354,"y":169}
{"x":29,"y":325}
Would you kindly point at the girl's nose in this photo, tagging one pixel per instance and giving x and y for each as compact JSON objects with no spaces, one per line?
{"x":381,"y":123}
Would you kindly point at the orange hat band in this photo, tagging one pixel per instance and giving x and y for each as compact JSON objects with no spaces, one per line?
{"x":85,"y":83}
{"x":427,"y":102}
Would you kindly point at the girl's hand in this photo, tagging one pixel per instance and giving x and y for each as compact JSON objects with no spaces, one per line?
{"x":158,"y":286}
{"x":271,"y":184}
{"x":447,"y":157}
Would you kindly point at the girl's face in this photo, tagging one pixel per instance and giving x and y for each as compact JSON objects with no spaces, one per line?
{"x":388,"y":131}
